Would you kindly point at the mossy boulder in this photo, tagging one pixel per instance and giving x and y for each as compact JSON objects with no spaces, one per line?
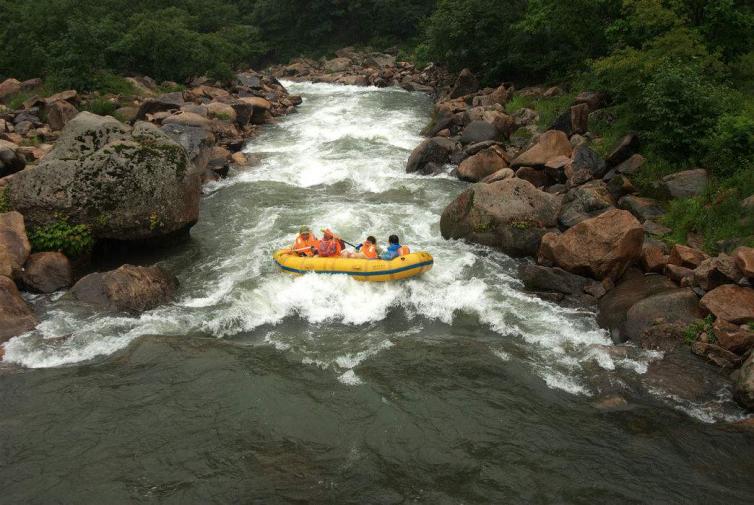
{"x":125,"y":183}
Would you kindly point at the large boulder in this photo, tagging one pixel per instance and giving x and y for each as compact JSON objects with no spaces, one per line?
{"x":714,"y":272}
{"x":643,"y":208}
{"x":743,"y":390}
{"x":60,"y":113}
{"x":14,"y":245}
{"x":16,"y":317}
{"x":430,"y":156}
{"x":11,"y":159}
{"x":614,"y":306}
{"x":466,"y":84}
{"x":47,"y":272}
{"x":480,"y":130}
{"x":337,"y":65}
{"x":584,"y":202}
{"x":124,"y":183}
{"x":731,"y":303}
{"x":540,"y":278}
{"x":601,"y":247}
{"x":260,"y":108}
{"x":129,"y":288}
{"x":511,"y":215}
{"x":686,"y":183}
{"x":9,"y":87}
{"x":627,"y":147}
{"x":196,"y":141}
{"x":670,"y":310}
{"x":551,"y":144}
{"x":686,"y":256}
{"x":163,"y":103}
{"x":585,"y":165}
{"x":482,"y":164}
{"x":744,"y":257}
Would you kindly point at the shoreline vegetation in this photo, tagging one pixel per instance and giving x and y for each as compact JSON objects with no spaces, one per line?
{"x":611,"y":143}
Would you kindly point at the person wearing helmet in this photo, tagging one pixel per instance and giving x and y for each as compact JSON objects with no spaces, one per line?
{"x":306,"y":243}
{"x":330,"y":245}
{"x":395,"y":249}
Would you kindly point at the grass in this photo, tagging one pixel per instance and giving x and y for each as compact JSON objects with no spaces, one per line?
{"x":170,"y":89}
{"x":548,"y":108}
{"x":696,"y":328}
{"x":100,"y":106}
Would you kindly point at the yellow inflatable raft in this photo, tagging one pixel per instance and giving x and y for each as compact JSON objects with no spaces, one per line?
{"x":401,"y":267}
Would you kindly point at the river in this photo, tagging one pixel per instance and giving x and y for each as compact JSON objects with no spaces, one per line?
{"x":258,"y":387}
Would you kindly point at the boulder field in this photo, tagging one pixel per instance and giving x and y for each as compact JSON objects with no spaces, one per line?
{"x":595,"y":241}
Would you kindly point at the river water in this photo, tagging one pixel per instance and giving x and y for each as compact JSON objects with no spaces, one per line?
{"x":258,"y":387}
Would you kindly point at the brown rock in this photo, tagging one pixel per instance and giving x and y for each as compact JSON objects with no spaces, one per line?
{"x":551,"y":144}
{"x":59,"y":113}
{"x":601,"y":247}
{"x":14,"y":245}
{"x":9,"y":87}
{"x":678,"y":273}
{"x":677,"y":307}
{"x":430,"y":156}
{"x":716,"y":354}
{"x":481,"y":165}
{"x":735,"y":338}
{"x":69,"y":95}
{"x":47,"y":272}
{"x":653,"y":259}
{"x":16,"y":317}
{"x":642,"y":208}
{"x":685,"y":256}
{"x":714,"y":272}
{"x":537,"y":177}
{"x":627,"y":147}
{"x":505,"y":173}
{"x":188,"y":119}
{"x":591,"y":98}
{"x":580,"y":118}
{"x":731,"y":303}
{"x":129,"y":288}
{"x":744,"y":257}
{"x":466,"y":84}
{"x":631,"y":165}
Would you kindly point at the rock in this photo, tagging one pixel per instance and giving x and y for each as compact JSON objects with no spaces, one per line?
{"x":188,"y":119}
{"x":687,"y":183}
{"x":685,"y":256}
{"x":619,"y":186}
{"x":59,"y":113}
{"x":551,"y":144}
{"x":654,"y":229}
{"x":540,"y":278}
{"x":129,"y":288}
{"x":642,"y":208}
{"x":552,"y":92}
{"x":611,"y":403}
{"x":503,"y":123}
{"x":14,"y":245}
{"x":624,"y":150}
{"x":592,"y":99}
{"x":162,"y":103}
{"x":465,"y":84}
{"x":631,"y":165}
{"x":715,"y":354}
{"x":481,"y":165}
{"x":196,"y":141}
{"x":585,"y":165}
{"x":737,"y":339}
{"x":511,"y":215}
{"x":9,"y":87}
{"x":124,"y":183}
{"x":748,"y":203}
{"x":11,"y":161}
{"x":580,"y":118}
{"x":16,"y":317}
{"x":429,"y":156}
{"x":337,"y":65}
{"x":584,"y":202}
{"x":679,"y":274}
{"x":653,"y":259}
{"x":480,"y":131}
{"x":69,"y":95}
{"x":126,"y":114}
{"x":731,"y":303}
{"x":502,"y":174}
{"x":47,"y":272}
{"x":221,"y":111}
{"x":678,"y":307}
{"x":563,"y":123}
{"x":714,"y":272}
{"x":744,"y":257}
{"x":614,"y":306}
{"x":743,"y":390}
{"x":601,"y":247}
{"x":536,"y":177}
{"x":260,"y":109}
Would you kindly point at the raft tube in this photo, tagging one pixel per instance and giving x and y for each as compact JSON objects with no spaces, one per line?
{"x":401,"y":267}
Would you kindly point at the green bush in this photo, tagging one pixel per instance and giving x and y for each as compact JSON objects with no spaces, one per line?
{"x":101,"y":106}
{"x":730,"y":146}
{"x":72,"y":240}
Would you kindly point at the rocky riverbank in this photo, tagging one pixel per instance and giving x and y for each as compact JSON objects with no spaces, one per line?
{"x":548,"y":195}
{"x":72,"y":180}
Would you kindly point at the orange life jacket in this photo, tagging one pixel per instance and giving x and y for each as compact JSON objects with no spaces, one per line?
{"x":369,"y":250}
{"x":403,"y":250}
{"x":303,"y":246}
{"x":329,"y":248}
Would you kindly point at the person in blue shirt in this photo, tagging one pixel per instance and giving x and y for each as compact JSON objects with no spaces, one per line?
{"x":394,"y":249}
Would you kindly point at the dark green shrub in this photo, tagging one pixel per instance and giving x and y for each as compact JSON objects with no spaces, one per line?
{"x":71,"y":240}
{"x":730,"y":147}
{"x":101,"y":106}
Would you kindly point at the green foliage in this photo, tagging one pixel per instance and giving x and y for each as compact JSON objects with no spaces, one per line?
{"x":72,"y":240}
{"x":4,"y":203}
{"x":696,"y":328}
{"x":101,"y":106}
{"x":730,"y":146}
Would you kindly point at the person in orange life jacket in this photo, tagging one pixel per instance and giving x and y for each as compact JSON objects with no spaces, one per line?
{"x":306,"y":243}
{"x":365,"y":250}
{"x":394,"y":249}
{"x":330,"y":245}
